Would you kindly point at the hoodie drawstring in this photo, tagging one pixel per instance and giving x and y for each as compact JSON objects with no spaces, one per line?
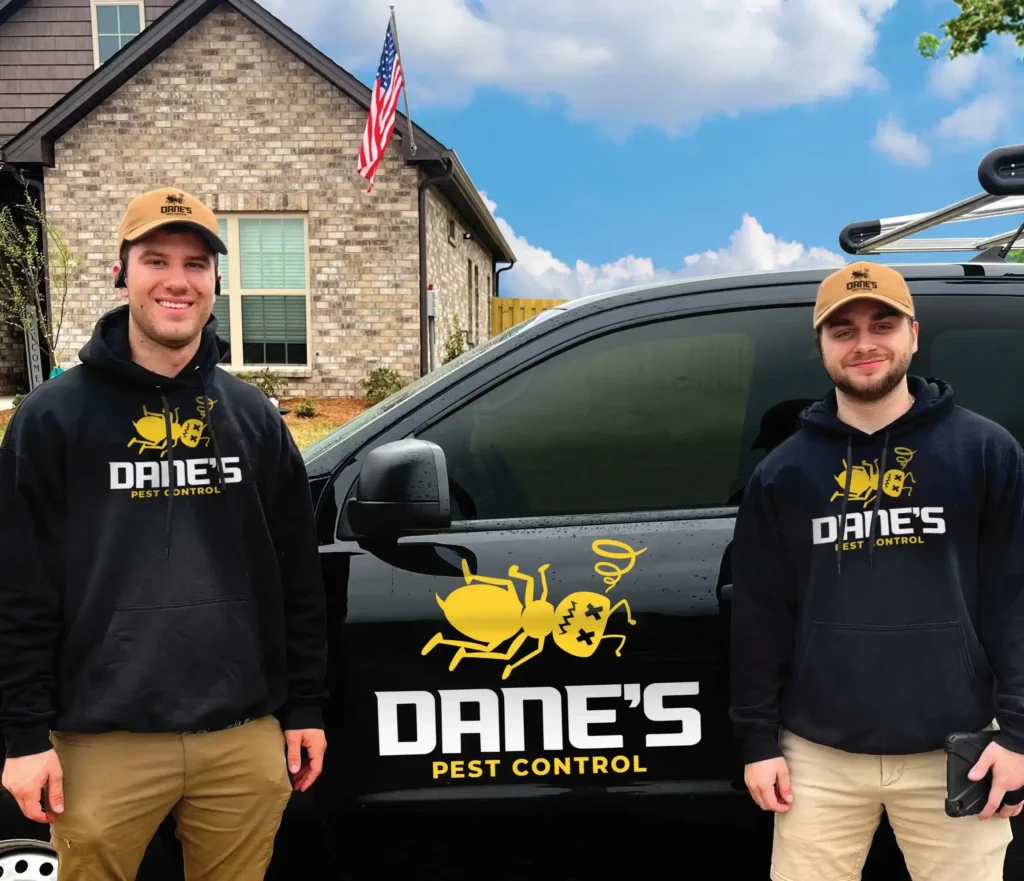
{"x":878,"y":503}
{"x":846,"y":498}
{"x":170,"y":470}
{"x":170,"y":457}
{"x":213,"y":434}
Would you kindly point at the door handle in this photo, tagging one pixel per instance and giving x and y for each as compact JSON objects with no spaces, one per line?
{"x":725,"y":592}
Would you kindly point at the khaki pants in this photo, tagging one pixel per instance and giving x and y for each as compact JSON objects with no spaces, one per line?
{"x":837,"y":804}
{"x":226,"y":789}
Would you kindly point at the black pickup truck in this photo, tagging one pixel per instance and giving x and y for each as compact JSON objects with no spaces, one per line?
{"x":527,"y":565}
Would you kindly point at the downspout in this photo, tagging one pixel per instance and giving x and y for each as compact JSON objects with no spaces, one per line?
{"x":422,"y":207}
{"x":497,"y":292}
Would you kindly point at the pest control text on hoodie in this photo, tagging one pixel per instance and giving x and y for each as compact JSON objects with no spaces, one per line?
{"x":879,"y":583}
{"x":160,"y":561}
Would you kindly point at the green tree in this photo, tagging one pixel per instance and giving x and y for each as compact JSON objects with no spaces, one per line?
{"x":968,"y":32}
{"x":25,"y":275}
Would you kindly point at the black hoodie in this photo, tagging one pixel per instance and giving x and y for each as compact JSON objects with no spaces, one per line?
{"x":910,"y":628}
{"x":149,"y":586}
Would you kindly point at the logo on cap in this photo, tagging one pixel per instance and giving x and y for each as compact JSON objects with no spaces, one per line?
{"x":860,"y":281}
{"x":175,"y":205}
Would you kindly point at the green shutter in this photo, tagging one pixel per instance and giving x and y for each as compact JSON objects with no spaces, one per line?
{"x":222,"y":309}
{"x":225,"y":279}
{"x":272,"y":254}
{"x":270,"y":319}
{"x":273,"y":319}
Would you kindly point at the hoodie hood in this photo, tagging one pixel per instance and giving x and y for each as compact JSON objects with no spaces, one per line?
{"x":109,"y":352}
{"x":932,"y":398}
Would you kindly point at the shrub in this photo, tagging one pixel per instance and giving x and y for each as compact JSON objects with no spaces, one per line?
{"x":306,"y":410}
{"x":17,"y":400}
{"x":265,"y":380}
{"x":455,"y":345}
{"x":381,"y":383}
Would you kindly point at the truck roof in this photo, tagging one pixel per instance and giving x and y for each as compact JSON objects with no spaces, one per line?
{"x":757,"y":278}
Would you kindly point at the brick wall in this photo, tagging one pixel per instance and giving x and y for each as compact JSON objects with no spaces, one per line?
{"x":450,"y":265}
{"x":13,"y":375}
{"x":229,"y":115}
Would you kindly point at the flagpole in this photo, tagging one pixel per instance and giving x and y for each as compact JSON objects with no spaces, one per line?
{"x":405,"y":91}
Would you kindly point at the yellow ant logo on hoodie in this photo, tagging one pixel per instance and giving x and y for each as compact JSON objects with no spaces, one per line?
{"x":489,"y":612}
{"x":151,"y":429}
{"x":864,"y":479}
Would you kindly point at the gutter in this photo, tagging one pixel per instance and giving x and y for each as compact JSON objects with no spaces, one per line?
{"x":425,"y":184}
{"x":497,"y":292}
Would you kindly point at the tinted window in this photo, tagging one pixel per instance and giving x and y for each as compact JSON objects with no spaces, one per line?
{"x":976,"y":343}
{"x":676,"y":414}
{"x":658,"y":416}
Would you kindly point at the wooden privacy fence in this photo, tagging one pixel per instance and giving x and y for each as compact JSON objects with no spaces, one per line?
{"x":507,"y":312}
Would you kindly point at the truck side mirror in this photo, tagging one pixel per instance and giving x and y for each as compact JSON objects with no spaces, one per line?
{"x":402,"y":488}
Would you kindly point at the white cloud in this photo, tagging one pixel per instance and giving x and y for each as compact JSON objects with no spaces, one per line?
{"x":667,"y":63}
{"x":950,"y":78}
{"x":538,"y":273}
{"x":977,"y":122}
{"x":899,"y":144}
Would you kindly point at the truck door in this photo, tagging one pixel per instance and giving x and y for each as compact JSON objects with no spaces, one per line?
{"x":566,"y":635}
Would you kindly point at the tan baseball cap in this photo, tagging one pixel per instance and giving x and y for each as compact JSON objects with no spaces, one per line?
{"x":860,"y":280}
{"x":165,"y":206}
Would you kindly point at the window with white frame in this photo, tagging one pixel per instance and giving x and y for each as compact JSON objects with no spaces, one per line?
{"x":113,"y":25}
{"x":263,"y":309}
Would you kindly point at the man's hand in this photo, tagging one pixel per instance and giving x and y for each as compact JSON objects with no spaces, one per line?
{"x":1007,"y":775}
{"x":762,"y":778}
{"x":315,"y":742}
{"x":27,"y":776}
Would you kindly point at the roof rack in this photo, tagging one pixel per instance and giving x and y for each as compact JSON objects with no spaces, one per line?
{"x":1001,"y":175}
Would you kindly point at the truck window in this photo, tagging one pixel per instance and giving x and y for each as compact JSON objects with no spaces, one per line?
{"x":660,"y":416}
{"x":976,"y":343}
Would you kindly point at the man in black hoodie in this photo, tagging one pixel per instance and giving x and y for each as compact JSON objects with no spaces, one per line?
{"x":878,"y":605}
{"x":162,"y":614}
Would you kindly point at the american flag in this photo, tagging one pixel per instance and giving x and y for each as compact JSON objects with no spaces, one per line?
{"x":380,"y":123}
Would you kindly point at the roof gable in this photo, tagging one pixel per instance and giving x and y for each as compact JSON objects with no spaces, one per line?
{"x":34,"y":143}
{"x":9,"y":7}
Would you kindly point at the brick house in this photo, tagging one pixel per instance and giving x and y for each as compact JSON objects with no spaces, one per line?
{"x":323,"y":282}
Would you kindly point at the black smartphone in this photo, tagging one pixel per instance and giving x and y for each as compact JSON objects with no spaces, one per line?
{"x":965,"y":797}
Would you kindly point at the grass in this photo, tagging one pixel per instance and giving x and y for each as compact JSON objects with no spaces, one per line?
{"x":330,"y":413}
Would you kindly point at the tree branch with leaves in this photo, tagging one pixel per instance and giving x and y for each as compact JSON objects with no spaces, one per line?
{"x":33,"y":295}
{"x":968,"y":32}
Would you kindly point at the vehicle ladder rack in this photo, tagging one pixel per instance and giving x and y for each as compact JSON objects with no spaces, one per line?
{"x":1001,"y":175}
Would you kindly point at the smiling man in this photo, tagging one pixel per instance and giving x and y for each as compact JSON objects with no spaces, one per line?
{"x":878,"y":605}
{"x":162,"y":614}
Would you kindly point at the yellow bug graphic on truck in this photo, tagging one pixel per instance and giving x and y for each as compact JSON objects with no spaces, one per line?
{"x":864,"y":479}
{"x":490,"y":612}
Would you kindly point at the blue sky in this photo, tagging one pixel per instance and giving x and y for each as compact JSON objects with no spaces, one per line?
{"x":659,"y":138}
